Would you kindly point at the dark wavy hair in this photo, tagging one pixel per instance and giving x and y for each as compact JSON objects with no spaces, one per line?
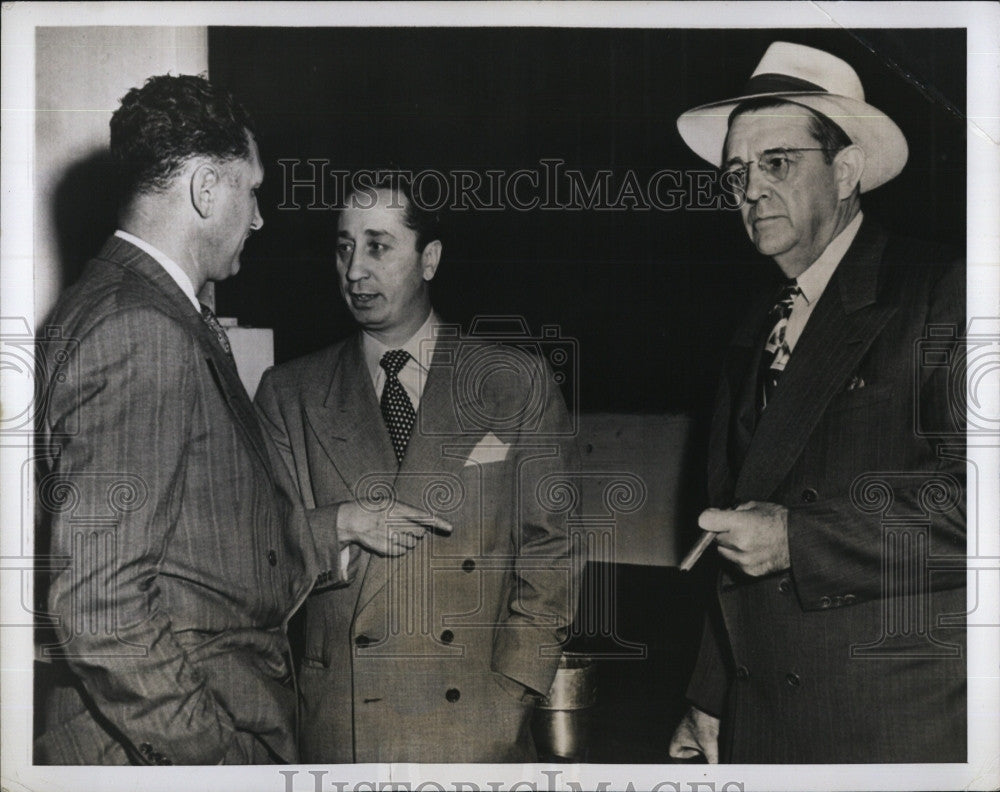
{"x":166,"y":122}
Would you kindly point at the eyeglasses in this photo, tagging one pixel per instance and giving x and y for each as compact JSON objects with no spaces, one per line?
{"x":773,"y":163}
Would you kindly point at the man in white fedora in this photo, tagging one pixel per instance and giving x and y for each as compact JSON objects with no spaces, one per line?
{"x":836,"y":471}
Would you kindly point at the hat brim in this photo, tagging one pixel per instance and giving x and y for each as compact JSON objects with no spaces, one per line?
{"x":704,"y":129}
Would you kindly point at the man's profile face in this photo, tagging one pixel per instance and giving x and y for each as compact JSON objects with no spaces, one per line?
{"x":238,"y":213}
{"x":791,"y":220}
{"x":383,"y":277}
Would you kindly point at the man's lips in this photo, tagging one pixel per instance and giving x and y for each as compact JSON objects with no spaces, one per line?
{"x":363,"y":298}
{"x":756,"y":220}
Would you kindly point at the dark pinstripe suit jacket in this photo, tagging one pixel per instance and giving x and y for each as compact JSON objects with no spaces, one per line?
{"x":841,"y":659}
{"x":180,"y":559}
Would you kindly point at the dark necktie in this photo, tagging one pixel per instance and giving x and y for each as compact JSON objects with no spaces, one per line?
{"x":776,"y":351}
{"x":213,"y":323}
{"x":397,"y":409}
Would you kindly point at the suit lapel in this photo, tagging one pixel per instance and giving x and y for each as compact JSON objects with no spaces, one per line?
{"x":170,"y":298}
{"x":347,"y":422}
{"x":436,"y":426}
{"x":840,"y":331}
{"x":734,"y":417}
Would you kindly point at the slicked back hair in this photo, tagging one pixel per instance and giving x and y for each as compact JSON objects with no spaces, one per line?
{"x":425,"y":222}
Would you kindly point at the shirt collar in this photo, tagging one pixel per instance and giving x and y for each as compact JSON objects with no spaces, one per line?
{"x":420,"y":346}
{"x":178,"y":275}
{"x":813,"y":281}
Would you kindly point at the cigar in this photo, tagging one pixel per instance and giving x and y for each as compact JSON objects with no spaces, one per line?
{"x":707,"y":537}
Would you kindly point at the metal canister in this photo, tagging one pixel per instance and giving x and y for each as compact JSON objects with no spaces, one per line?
{"x":562,"y":723}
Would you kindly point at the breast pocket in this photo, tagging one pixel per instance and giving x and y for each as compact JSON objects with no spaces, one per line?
{"x":853,"y":435}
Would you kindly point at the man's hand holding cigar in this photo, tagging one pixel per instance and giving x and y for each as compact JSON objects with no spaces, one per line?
{"x":754,"y":536}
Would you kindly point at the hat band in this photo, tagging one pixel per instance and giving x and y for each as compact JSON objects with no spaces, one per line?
{"x":779,"y":83}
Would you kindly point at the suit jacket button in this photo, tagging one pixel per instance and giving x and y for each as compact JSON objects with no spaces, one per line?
{"x":825,"y":602}
{"x":362,"y":641}
{"x":742,"y":673}
{"x":785,"y":586}
{"x":272,"y":558}
{"x":468,"y":565}
{"x":447,"y":636}
{"x":850,"y":599}
{"x":809,"y":495}
{"x":453,"y":695}
{"x":792,"y":679}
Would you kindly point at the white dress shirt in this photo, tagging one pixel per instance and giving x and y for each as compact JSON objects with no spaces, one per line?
{"x":812,"y":282}
{"x":413,"y":376}
{"x":178,"y":275}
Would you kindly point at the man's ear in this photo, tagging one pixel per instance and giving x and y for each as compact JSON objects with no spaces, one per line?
{"x":849,"y":164}
{"x":430,"y":259}
{"x":204,"y":183}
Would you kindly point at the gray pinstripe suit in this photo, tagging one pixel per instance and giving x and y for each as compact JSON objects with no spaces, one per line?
{"x":183,"y":561}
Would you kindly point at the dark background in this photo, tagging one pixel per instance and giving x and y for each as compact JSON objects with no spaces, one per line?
{"x":651,"y":296}
{"x":632,"y":287}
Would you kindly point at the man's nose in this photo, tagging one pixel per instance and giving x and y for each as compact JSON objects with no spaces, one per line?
{"x":757,"y":184}
{"x":258,"y":219}
{"x":356,"y":267}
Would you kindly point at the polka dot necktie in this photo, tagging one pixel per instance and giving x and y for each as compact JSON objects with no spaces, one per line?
{"x":213,"y":322}
{"x":397,"y":410}
{"x":776,"y":351}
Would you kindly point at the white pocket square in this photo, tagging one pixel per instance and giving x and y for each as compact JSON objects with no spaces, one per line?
{"x":490,"y":449}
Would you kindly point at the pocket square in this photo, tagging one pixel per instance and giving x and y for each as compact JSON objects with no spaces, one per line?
{"x":489,"y":449}
{"x":856,"y":383}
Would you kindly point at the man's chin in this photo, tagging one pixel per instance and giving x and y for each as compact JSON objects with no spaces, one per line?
{"x":769,"y":244}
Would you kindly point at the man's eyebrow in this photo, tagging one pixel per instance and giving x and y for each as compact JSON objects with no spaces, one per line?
{"x":764,"y":153}
{"x":378,"y":232}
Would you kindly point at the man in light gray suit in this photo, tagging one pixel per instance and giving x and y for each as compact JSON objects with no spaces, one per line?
{"x":441,"y":458}
{"x":182,"y":561}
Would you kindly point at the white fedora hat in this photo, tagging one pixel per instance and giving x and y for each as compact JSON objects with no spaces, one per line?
{"x":819,"y":81}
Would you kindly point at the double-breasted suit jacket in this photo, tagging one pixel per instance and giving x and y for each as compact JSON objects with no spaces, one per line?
{"x":432,"y":656}
{"x":856,"y":653}
{"x":183,"y":561}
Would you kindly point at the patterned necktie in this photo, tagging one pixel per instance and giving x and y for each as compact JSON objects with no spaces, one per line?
{"x":397,"y":409}
{"x":212,"y":321}
{"x":776,"y":351}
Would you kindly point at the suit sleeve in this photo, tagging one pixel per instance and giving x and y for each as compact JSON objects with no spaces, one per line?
{"x":546,"y":571}
{"x":321,"y":523}
{"x":125,"y":420}
{"x":836,"y":544}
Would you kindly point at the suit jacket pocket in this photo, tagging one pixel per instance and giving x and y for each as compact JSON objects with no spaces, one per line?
{"x":859,"y":397}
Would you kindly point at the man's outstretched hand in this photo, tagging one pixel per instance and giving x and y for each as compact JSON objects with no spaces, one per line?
{"x":386,"y":532}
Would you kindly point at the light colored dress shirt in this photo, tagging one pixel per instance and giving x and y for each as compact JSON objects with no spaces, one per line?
{"x":413,"y":375}
{"x":178,"y":275}
{"x":812,"y":282}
